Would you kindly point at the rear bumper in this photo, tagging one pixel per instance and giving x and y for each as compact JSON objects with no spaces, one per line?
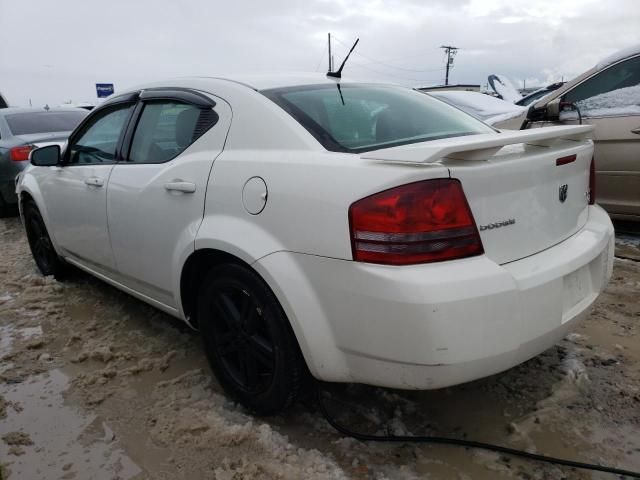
{"x":8,"y":192}
{"x":8,"y":175}
{"x":435,"y":325}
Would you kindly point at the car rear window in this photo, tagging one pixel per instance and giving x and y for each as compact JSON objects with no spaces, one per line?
{"x":43,"y":122}
{"x":361,"y":117}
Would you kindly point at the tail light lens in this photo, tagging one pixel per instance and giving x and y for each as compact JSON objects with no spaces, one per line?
{"x":421,"y":222}
{"x":592,"y":182}
{"x":21,"y":153}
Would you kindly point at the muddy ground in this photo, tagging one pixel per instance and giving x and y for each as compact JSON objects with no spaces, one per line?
{"x":97,"y":385}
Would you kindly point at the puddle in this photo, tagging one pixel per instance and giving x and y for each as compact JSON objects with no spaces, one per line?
{"x":64,"y":443}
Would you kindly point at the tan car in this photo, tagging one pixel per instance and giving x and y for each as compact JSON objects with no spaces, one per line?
{"x":607,"y":97}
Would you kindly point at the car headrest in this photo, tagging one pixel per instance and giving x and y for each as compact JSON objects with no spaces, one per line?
{"x":185,"y":126}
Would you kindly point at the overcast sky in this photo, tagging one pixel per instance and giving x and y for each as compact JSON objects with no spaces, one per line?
{"x":55,"y":51}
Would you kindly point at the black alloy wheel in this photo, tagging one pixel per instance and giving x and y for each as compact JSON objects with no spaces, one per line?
{"x":248,"y":340}
{"x":42,"y":249}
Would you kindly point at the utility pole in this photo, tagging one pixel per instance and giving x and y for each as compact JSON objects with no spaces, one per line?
{"x":330,"y":57}
{"x":451,"y":52}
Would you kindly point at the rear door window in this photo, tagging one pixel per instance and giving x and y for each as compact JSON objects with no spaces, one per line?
{"x":166,"y":128}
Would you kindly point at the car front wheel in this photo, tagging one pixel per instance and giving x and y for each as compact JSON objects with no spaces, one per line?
{"x":42,"y":249}
{"x":248,"y":340}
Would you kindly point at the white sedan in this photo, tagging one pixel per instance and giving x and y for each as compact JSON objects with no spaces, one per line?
{"x":360,"y":232}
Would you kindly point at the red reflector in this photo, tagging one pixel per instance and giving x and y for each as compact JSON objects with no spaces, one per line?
{"x":565,"y":160}
{"x":21,"y":153}
{"x":592,"y":182}
{"x":421,"y":222}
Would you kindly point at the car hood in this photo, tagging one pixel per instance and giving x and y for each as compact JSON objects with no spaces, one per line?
{"x":489,"y":109}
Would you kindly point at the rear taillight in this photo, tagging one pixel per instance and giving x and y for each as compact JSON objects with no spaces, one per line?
{"x":421,"y":222}
{"x":592,"y":182}
{"x":21,"y":153}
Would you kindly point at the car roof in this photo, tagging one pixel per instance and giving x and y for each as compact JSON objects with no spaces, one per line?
{"x":616,"y":57}
{"x":256,"y":82}
{"x":280,"y":80}
{"x":631,"y":51}
{"x":10,"y":110}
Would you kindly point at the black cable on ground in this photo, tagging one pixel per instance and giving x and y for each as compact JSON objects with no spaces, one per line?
{"x":623,"y":257}
{"x":466,"y":443}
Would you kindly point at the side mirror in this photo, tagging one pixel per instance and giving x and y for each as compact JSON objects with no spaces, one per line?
{"x":553,"y":108}
{"x":48,"y":156}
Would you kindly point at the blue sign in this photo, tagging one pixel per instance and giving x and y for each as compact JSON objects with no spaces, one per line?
{"x":104,"y":89}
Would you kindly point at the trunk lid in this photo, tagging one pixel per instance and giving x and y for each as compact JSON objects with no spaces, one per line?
{"x":527,"y":192}
{"x":44,"y":139}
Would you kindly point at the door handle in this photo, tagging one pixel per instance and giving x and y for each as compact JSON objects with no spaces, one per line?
{"x":179,"y":186}
{"x":94,"y":181}
{"x":636,"y":131}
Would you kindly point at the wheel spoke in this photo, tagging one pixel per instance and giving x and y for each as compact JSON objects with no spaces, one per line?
{"x":237,"y":369}
{"x":261,"y":350}
{"x":226,"y":344}
{"x":246,"y":305}
{"x":250,"y":368}
{"x":227,"y":310}
{"x":249,"y":320}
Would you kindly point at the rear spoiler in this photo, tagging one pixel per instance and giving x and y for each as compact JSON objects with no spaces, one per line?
{"x":478,"y":147}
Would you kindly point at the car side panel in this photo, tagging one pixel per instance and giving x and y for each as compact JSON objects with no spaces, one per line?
{"x":307,"y":202}
{"x":145,"y":217}
{"x":617,"y":154}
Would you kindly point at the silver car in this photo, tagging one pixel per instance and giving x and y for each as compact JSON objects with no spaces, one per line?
{"x":22,"y":130}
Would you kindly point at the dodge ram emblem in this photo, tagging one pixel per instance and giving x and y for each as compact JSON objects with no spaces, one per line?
{"x":563,"y":192}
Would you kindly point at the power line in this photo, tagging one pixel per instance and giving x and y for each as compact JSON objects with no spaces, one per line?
{"x":319,"y":61}
{"x":380,"y":62}
{"x":393,"y":75}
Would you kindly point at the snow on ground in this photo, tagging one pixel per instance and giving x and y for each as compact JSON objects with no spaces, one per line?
{"x":624,"y":101}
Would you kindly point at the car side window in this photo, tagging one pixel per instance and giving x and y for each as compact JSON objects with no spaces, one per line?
{"x":166,"y":128}
{"x":99,"y":138}
{"x":614,"y":91}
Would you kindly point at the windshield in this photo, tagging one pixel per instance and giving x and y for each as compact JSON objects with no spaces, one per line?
{"x":359,"y":117}
{"x":44,"y":122}
{"x":532,"y":97}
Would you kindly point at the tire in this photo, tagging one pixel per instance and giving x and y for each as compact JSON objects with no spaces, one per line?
{"x":45,"y":256}
{"x":248,"y":340}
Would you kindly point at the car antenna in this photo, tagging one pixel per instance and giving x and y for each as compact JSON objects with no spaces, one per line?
{"x":340,"y":92}
{"x":338,"y":74}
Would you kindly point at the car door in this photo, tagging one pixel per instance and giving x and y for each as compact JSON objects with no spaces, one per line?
{"x":610,"y":101}
{"x":75,"y":193}
{"x":157,"y":193}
